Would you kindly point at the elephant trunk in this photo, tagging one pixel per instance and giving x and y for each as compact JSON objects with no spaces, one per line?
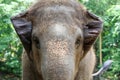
{"x":58,"y":62}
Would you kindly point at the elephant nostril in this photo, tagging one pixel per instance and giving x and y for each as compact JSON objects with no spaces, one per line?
{"x":36,"y":41}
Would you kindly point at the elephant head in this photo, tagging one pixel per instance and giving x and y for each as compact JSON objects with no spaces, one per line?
{"x":57,"y":36}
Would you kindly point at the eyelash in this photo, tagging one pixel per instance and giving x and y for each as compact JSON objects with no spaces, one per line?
{"x":77,"y":43}
{"x":37,"y":42}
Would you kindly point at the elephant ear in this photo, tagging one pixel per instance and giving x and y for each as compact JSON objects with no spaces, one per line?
{"x":23,"y":27}
{"x":92,"y":30}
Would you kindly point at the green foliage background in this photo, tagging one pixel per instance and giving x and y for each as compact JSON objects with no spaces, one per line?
{"x":11,"y":47}
{"x":109,"y":11}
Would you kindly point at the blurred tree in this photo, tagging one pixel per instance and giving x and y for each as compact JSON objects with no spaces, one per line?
{"x":10,"y":46}
{"x":109,"y":11}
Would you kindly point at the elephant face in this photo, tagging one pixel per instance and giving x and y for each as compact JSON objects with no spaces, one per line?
{"x":57,"y":37}
{"x":58,"y":48}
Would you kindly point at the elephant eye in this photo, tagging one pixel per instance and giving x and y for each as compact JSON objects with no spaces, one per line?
{"x":36,"y":41}
{"x":77,"y":43}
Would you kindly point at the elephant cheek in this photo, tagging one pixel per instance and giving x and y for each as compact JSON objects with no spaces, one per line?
{"x":58,"y":62}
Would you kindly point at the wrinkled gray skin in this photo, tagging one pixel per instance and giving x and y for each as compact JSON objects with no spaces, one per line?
{"x":61,"y":46}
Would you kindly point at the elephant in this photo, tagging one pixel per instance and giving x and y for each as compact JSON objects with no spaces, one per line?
{"x":58,"y":37}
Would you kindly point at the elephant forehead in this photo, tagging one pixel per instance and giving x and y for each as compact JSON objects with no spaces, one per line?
{"x":60,"y":29}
